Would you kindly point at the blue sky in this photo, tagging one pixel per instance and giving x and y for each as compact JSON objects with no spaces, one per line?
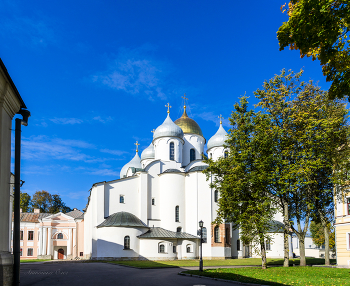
{"x":96,"y":76}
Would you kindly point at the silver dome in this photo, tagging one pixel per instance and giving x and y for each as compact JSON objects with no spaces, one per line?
{"x":218,"y":139}
{"x":135,"y":162}
{"x":168,"y":129}
{"x":148,"y":153}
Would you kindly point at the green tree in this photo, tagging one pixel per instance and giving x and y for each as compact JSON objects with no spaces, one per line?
{"x":318,"y":234}
{"x":25,"y":202}
{"x":241,"y":178}
{"x":320,"y":29}
{"x":57,"y":205}
{"x":42,"y":200}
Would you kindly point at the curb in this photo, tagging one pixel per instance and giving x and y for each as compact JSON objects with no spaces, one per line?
{"x":223,"y":280}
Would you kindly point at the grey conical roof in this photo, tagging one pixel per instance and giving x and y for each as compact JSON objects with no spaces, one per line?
{"x":168,"y":129}
{"x":148,"y":153}
{"x":218,"y":139}
{"x":122,"y":219}
{"x":135,"y":162}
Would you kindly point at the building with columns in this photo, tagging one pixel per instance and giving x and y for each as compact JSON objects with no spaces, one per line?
{"x":152,"y":211}
{"x":52,"y":236}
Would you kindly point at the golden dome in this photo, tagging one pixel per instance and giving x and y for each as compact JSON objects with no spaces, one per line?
{"x":188,"y":125}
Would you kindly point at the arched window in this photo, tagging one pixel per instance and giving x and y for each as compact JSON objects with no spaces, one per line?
{"x":204,"y":235}
{"x":192,"y":155}
{"x":216,"y":196}
{"x":172,"y":151}
{"x":121,"y":199}
{"x":225,"y":154}
{"x":161,"y":248}
{"x":179,"y":229}
{"x":60,"y":236}
{"x":210,"y":155}
{"x":177,"y":214}
{"x":238,"y":244}
{"x":153,"y":201}
{"x":227,"y":235}
{"x":188,"y":249}
{"x":268,"y":244}
{"x":216,"y":234}
{"x":127,"y":242}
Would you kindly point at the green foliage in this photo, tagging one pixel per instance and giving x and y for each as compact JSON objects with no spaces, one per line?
{"x":48,"y":203}
{"x":320,"y":29}
{"x":318,"y":237}
{"x":25,"y":202}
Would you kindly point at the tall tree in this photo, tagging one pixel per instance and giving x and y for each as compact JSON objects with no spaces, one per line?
{"x":25,"y":202}
{"x":42,"y":200}
{"x":57,"y":205}
{"x":241,"y":178}
{"x":320,"y":29}
{"x":318,"y":237}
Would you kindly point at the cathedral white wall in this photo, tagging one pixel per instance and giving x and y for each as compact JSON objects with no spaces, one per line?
{"x":110,"y":242}
{"x":195,"y":142}
{"x":129,"y":188}
{"x":87,"y":232}
{"x":162,"y":148}
{"x":171,"y":186}
{"x":216,"y":152}
{"x":149,"y":248}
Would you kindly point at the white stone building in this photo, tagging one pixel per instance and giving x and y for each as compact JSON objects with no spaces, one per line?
{"x":152,"y":211}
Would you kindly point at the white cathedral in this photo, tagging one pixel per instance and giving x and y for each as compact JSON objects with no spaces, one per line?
{"x":152,"y":212}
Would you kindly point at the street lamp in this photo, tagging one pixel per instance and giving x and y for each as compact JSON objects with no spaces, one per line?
{"x":201,"y":246}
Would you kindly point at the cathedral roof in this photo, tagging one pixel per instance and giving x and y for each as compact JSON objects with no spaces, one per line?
{"x":218,"y":139}
{"x":135,"y":162}
{"x":168,"y":129}
{"x":158,"y":232}
{"x":188,"y":125}
{"x":198,"y":168}
{"x":276,"y":226}
{"x":122,"y":219}
{"x":148,"y":153}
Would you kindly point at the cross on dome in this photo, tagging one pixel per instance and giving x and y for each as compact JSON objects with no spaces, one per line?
{"x":153,"y":131}
{"x":185,"y":98}
{"x":168,"y":105}
{"x":220,"y":118}
{"x":137,"y":146}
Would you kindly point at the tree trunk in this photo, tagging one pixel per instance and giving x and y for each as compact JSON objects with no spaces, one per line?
{"x":286,"y":234}
{"x":326,"y":245}
{"x":263,"y":252}
{"x":302,"y":250}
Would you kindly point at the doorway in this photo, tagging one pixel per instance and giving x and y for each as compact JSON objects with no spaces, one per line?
{"x":60,"y":254}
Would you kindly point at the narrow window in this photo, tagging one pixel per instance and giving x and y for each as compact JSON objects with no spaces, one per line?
{"x":21,"y":235}
{"x":30,"y":252}
{"x":227,"y":235}
{"x":348,"y":206}
{"x":211,"y":155}
{"x":268,"y":244}
{"x":153,"y":201}
{"x":38,"y":237}
{"x":204,"y":235}
{"x":225,"y":154}
{"x":216,"y":234}
{"x":174,"y":248}
{"x":238,"y":244}
{"x":192,"y":155}
{"x":127,"y":242}
{"x":121,"y":199}
{"x":30,"y":235}
{"x":348,"y":240}
{"x":178,"y":229}
{"x":216,"y":196}
{"x":161,"y":248}
{"x":177,"y":214}
{"x":60,"y":236}
{"x":172,"y":151}
{"x":81,"y":254}
{"x":188,"y":249}
{"x":21,"y":252}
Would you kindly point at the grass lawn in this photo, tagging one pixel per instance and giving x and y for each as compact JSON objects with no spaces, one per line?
{"x":219,"y":262}
{"x":315,"y":276}
{"x":33,"y":260}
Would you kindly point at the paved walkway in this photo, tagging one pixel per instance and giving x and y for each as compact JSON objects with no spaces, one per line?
{"x":43,"y":274}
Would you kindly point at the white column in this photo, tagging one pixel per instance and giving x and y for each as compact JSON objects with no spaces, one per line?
{"x":49,"y":243}
{"x":40,"y":240}
{"x":74,"y":243}
{"x":44,"y":241}
{"x":69,"y":246}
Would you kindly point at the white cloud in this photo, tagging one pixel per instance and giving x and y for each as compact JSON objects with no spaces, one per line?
{"x":210,"y":116}
{"x":103,"y":120}
{"x":66,"y":120}
{"x":135,"y":73}
{"x":104,"y":172}
{"x":113,"y":152}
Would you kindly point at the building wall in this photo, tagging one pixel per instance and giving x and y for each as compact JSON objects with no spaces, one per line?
{"x":342,"y":230}
{"x":192,"y":141}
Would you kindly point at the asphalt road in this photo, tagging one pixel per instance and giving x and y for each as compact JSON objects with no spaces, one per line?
{"x":85,"y":274}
